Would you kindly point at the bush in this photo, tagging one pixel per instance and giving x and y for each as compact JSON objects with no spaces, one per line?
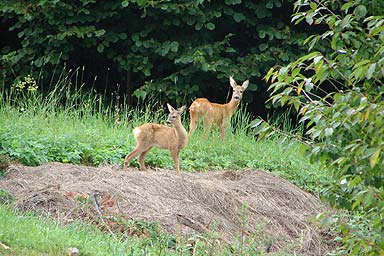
{"x":336,"y":90}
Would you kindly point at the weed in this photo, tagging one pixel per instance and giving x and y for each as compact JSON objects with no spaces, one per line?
{"x":4,"y":164}
{"x":5,"y":197}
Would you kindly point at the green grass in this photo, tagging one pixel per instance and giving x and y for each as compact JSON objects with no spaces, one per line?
{"x":37,"y":138}
{"x":29,"y":234}
{"x":73,"y":127}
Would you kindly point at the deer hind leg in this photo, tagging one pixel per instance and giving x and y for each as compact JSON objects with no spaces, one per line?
{"x":192,"y":122}
{"x":208,"y":125}
{"x":175,"y":157}
{"x":141,"y":159}
{"x":129,"y":157}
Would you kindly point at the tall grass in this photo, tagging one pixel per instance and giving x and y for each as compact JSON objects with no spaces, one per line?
{"x":70,"y":125}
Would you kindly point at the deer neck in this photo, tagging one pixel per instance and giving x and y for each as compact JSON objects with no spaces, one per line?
{"x":181,"y":133}
{"x":232,"y":106}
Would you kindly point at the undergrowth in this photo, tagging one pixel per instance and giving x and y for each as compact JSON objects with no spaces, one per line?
{"x":71,"y":126}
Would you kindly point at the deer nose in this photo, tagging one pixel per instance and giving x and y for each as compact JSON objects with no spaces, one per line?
{"x":237,"y":97}
{"x":168,"y":122}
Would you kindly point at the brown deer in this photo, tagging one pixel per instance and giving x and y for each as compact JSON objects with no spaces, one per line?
{"x":215,"y":113}
{"x":172,"y":137}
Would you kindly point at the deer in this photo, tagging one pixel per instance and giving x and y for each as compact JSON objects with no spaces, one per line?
{"x":172,"y":136}
{"x":215,"y":113}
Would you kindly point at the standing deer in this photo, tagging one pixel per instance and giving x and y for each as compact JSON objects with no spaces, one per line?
{"x":172,"y":137}
{"x":215,"y":113}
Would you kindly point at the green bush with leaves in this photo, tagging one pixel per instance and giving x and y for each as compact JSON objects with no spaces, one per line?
{"x":337,"y":91}
{"x":161,"y":49}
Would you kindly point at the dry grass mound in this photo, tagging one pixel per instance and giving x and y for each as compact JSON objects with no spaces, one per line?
{"x":232,"y":204}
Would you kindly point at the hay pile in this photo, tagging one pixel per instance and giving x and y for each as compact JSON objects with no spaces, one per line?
{"x":231,"y":203}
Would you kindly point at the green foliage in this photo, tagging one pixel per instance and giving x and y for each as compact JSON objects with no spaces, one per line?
{"x":4,"y":164}
{"x":337,"y":92}
{"x":55,"y":127}
{"x":173,"y":56}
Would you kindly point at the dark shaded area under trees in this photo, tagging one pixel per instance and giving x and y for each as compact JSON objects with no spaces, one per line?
{"x":169,"y":51}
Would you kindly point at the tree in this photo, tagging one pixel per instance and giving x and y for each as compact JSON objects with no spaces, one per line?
{"x":337,"y":91}
{"x":168,"y":50}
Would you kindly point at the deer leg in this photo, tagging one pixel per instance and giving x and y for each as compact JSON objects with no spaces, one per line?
{"x":192,"y":123}
{"x":208,"y":125}
{"x":141,"y":159}
{"x":223,"y":128}
{"x":129,"y":157}
{"x":175,"y":157}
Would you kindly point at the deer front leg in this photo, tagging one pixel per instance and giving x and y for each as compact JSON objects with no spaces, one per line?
{"x":225,"y":123}
{"x":175,"y":157}
{"x":223,"y":128}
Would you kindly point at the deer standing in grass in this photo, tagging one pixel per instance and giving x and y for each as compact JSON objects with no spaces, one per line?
{"x":215,"y":113}
{"x":172,"y":137}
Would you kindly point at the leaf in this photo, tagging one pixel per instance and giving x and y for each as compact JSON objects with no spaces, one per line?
{"x":370,"y":71}
{"x":238,"y":17}
{"x":269,"y":5}
{"x":210,"y":26}
{"x":100,"y":48}
{"x":125,"y":3}
{"x":328,"y":131}
{"x":299,"y":88}
{"x":269,"y":73}
{"x":296,"y":104}
{"x":255,"y":123}
{"x":230,"y":50}
{"x":373,"y":160}
{"x":263,"y":47}
{"x":346,"y":6}
{"x":360,"y":11}
{"x":199,"y":25}
{"x":174,"y":46}
{"x":309,"y":18}
{"x":355,"y":181}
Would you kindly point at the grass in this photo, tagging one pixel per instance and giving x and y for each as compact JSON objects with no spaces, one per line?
{"x":71,"y":126}
{"x":37,"y":138}
{"x":45,"y":237}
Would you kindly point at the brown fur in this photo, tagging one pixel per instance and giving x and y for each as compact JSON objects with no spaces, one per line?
{"x":160,"y":136}
{"x":215,"y":113}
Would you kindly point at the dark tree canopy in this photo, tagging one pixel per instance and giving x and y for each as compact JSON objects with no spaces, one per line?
{"x":167,"y":50}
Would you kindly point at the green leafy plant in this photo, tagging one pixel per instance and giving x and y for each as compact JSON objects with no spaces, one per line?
{"x":336,"y":89}
{"x":4,"y":164}
{"x":152,"y":61}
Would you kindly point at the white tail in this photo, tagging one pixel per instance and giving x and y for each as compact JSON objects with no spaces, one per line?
{"x":214,"y":113}
{"x":173,"y":138}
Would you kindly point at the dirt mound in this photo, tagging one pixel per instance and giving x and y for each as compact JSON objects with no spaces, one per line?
{"x":231,"y":203}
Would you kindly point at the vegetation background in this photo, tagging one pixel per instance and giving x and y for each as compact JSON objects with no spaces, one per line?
{"x":166,"y":50}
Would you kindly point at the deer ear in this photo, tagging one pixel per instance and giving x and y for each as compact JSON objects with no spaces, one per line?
{"x":181,"y":109}
{"x":245,"y":84}
{"x":232,"y":82}
{"x":170,"y":108}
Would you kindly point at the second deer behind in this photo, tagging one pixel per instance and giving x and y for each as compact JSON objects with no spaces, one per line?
{"x":215,"y":113}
